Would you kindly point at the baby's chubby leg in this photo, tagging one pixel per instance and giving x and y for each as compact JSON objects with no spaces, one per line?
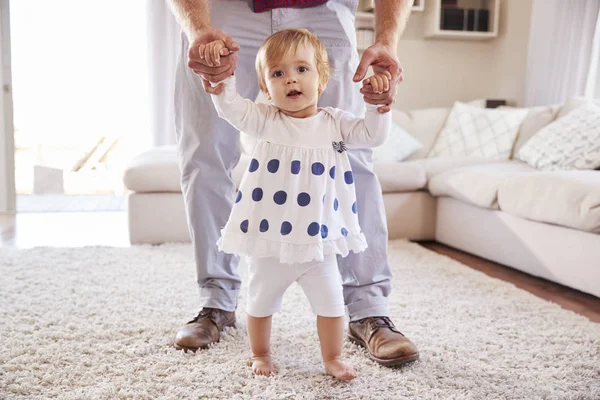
{"x":331,"y":336}
{"x":322,"y":284}
{"x":259,"y":334}
{"x":267,"y":281}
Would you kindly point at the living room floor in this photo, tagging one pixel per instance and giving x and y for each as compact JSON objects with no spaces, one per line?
{"x":76,"y":229}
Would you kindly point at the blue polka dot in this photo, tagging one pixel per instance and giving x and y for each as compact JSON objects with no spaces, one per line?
{"x":344,"y":232}
{"x":323,"y":199}
{"x":239,"y":196}
{"x":244,"y":226}
{"x":264,"y":225}
{"x":295,"y":167}
{"x":318,"y":168}
{"x":335,"y":204}
{"x":303,"y":199}
{"x":280,"y":197}
{"x":313,"y":229}
{"x":354,"y":208}
{"x":257,"y":194}
{"x":273,"y":166}
{"x":286,"y":228}
{"x":324,"y":231}
{"x":253,"y":165}
{"x":332,"y":172}
{"x":348,"y":177}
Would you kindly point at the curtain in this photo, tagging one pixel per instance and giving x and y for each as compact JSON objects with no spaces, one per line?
{"x":592,"y":87}
{"x":560,"y":56}
{"x":163,"y":47}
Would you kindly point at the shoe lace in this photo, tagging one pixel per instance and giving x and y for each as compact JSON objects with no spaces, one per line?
{"x":205,"y":313}
{"x":381,"y":322}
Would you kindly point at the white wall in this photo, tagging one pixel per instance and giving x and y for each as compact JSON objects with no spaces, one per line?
{"x":438,"y":72}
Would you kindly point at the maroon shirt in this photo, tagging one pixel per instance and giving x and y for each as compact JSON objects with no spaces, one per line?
{"x":264,"y":5}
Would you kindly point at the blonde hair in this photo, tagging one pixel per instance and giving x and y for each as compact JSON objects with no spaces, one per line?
{"x":286,"y":42}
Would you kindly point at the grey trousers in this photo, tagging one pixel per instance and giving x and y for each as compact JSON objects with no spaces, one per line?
{"x":208,"y":149}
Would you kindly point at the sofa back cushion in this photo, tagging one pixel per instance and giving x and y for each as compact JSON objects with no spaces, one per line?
{"x":573,"y":103}
{"x":398,"y":146}
{"x":424,"y":125}
{"x":536,"y":119}
{"x":570,"y":142}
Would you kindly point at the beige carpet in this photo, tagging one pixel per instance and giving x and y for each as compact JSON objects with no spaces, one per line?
{"x":98,"y":323}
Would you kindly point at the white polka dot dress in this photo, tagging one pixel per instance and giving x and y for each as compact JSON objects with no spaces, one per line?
{"x":297,"y":198}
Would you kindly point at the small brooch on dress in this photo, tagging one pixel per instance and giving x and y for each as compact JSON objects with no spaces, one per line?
{"x":339,"y":147}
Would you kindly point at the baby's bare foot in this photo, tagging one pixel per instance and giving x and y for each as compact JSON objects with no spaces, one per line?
{"x":263,"y":366}
{"x":339,"y":370}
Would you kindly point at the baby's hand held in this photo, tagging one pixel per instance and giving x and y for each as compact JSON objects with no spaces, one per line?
{"x":212,"y":52}
{"x":380,"y":83}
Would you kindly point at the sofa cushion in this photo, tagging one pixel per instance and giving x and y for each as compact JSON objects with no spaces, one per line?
{"x":536,"y":119}
{"x":399,"y":145}
{"x":478,"y":132}
{"x":573,"y":103}
{"x":476,"y":184}
{"x":566,"y":198}
{"x":570,"y":142}
{"x":400,"y":177}
{"x":424,"y":125}
{"x":438,"y":165}
{"x":155,"y":170}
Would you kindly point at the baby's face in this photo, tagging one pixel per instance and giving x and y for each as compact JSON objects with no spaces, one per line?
{"x":293,"y":83}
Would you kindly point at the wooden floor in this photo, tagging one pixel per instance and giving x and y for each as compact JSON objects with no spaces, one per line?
{"x":76,"y":229}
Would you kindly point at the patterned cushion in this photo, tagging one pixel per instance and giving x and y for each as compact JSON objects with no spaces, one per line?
{"x":571,"y":142}
{"x":479,"y":132}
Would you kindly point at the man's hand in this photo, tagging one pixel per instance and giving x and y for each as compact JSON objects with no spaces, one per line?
{"x":205,"y":67}
{"x":381,"y":58}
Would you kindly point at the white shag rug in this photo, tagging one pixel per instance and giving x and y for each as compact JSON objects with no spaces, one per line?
{"x":98,"y":323}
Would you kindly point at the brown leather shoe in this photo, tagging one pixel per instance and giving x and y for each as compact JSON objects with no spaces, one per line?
{"x":204,"y":329}
{"x":386,"y":345}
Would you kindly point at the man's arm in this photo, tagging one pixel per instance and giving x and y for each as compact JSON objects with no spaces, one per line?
{"x":391,"y":17}
{"x":192,"y":15}
{"x":194,"y":18}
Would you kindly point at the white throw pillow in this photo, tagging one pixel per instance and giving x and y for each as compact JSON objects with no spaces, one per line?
{"x":478,"y":132}
{"x":570,"y":142}
{"x":398,"y":146}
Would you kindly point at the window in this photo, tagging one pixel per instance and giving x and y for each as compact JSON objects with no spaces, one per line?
{"x":79,"y":90}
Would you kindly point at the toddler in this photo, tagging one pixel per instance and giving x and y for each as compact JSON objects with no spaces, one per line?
{"x":295,"y":209}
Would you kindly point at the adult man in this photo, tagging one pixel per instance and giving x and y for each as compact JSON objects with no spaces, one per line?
{"x":209,"y":149}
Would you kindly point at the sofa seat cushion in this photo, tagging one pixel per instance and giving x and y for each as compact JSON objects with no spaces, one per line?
{"x":476,"y":184}
{"x":400,"y":177}
{"x":155,"y":170}
{"x":565,"y":198}
{"x":437,"y":165}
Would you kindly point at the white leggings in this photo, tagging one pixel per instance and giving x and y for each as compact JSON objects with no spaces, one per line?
{"x":320,"y":281}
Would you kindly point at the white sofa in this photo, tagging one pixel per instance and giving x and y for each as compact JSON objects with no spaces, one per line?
{"x":545,"y":224}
